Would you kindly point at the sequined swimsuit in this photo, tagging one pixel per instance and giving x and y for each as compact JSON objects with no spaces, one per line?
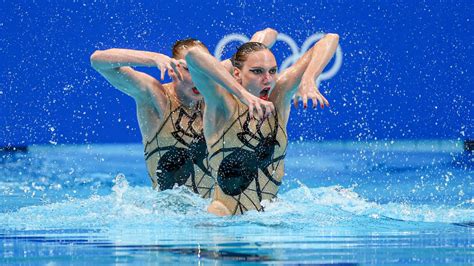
{"x":247,"y":161}
{"x":177,"y":154}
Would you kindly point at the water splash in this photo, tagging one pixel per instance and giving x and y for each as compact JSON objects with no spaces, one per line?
{"x":302,"y":207}
{"x":120,"y":187}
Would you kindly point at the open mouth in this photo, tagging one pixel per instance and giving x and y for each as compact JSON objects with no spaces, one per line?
{"x":264,"y":94}
{"x":195,"y":91}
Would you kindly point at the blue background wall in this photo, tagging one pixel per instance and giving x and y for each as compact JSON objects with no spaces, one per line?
{"x":407,"y":69}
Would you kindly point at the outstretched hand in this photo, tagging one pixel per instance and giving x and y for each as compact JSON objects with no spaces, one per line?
{"x":308,"y":90}
{"x":258,"y":108}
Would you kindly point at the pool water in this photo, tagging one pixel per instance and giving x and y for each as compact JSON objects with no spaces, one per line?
{"x":340,"y":203}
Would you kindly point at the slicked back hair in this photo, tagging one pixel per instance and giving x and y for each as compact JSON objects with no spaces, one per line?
{"x":239,"y":58}
{"x":180,"y":45}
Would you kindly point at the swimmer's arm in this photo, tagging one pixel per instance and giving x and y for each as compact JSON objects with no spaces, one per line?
{"x":227,"y":64}
{"x":116,"y":57}
{"x":305,"y":70}
{"x":267,"y":36}
{"x":320,"y":57}
{"x":216,"y":85}
{"x":116,"y":66}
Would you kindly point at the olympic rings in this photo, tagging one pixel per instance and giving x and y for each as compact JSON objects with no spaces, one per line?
{"x":296,"y":52}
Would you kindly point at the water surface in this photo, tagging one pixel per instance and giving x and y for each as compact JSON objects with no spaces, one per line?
{"x":340,"y":203}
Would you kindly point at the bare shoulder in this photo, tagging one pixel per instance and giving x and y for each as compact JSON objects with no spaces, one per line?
{"x":158,"y":98}
{"x":151,"y":114}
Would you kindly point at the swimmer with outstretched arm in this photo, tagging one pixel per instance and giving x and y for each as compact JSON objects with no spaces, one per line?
{"x":246,"y":155}
{"x":169,"y":115}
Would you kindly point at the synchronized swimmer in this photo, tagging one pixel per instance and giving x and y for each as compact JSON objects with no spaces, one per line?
{"x":231,"y":148}
{"x":169,"y":115}
{"x":246,"y":155}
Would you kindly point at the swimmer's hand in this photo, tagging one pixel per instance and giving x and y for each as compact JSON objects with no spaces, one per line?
{"x":308,"y":90}
{"x":258,"y":108}
{"x":165,"y":63}
{"x":178,"y":66}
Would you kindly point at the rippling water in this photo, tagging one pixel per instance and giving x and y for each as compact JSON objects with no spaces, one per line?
{"x":341,"y":203}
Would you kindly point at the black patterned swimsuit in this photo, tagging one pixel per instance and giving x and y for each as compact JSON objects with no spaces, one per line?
{"x":247,"y":161}
{"x":177,"y":154}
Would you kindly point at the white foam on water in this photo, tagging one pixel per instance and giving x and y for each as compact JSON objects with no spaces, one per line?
{"x":129,"y":206}
{"x":345,"y":199}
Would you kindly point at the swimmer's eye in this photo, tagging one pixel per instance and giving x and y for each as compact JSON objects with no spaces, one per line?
{"x":273,"y":71}
{"x":256,"y":71}
{"x":185,"y":68}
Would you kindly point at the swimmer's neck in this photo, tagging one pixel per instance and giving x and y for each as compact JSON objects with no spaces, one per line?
{"x":178,"y":90}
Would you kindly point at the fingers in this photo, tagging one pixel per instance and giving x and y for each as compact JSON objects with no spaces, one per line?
{"x":322,"y":102}
{"x":259,"y":112}
{"x":316,"y":99}
{"x":183,"y":63}
{"x":251,"y":110}
{"x":175,"y":66}
{"x":305,"y":101}
{"x":172,"y":74}
{"x":295,"y":102}
{"x":326,"y":102}
{"x":162,"y":70}
{"x":272,"y":108}
{"x":269,"y":110}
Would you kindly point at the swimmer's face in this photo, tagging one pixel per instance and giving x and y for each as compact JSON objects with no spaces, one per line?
{"x":187,"y":81}
{"x":258,"y":74}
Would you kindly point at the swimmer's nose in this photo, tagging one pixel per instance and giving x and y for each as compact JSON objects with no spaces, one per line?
{"x":267,"y":78}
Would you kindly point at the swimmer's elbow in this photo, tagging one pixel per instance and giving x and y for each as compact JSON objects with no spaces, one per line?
{"x":271,"y":31}
{"x":196,"y":50}
{"x":96,"y":59}
{"x":100,"y":59}
{"x":333,"y":37}
{"x":194,"y":54}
